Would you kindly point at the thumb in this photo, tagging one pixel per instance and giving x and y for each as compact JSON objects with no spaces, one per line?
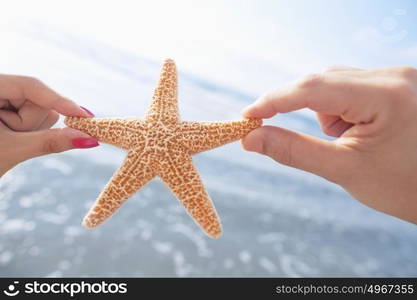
{"x":55,"y":140}
{"x":328,"y":159}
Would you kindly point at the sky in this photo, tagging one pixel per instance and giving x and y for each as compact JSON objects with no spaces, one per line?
{"x":252,"y":46}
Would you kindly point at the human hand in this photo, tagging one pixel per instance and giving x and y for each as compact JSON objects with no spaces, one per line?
{"x":373,"y":115}
{"x":28,"y":108}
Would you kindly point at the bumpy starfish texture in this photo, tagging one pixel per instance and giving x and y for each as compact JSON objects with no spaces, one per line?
{"x":160,"y":145}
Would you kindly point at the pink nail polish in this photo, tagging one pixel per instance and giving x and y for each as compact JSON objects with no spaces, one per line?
{"x":82,"y":143}
{"x":88,"y":112}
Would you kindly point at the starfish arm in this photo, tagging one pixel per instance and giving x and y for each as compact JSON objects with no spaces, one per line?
{"x":202,"y":136}
{"x":121,"y":132}
{"x":164,"y":106}
{"x":182,"y":178}
{"x":134,"y":173}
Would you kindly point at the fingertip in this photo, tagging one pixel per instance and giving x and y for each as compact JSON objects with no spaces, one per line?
{"x":247,"y":112}
{"x":253,"y":141}
{"x":262,"y":108}
{"x":256,"y":111}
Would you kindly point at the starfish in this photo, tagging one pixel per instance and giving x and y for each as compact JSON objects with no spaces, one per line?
{"x":161,"y":145}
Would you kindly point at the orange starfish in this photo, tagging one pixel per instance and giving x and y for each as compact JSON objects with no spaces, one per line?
{"x":160,"y":145}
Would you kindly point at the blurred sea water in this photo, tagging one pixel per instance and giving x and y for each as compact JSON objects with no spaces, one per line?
{"x":277,"y":221}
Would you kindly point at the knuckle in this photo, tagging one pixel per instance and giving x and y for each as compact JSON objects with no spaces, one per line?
{"x":310,"y":81}
{"x":399,"y":99}
{"x":281,"y":154}
{"x":51,"y":145}
{"x":403,"y":90}
{"x":406,"y":72}
{"x":29,"y":80}
{"x":285,"y":157}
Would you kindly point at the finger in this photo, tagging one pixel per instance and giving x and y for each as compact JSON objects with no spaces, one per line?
{"x":37,"y":143}
{"x":324,"y":158}
{"x":332,"y":125}
{"x":341,"y":68}
{"x":32,"y":115}
{"x":50,"y":120}
{"x":28,"y":118}
{"x":5,"y":104}
{"x":12,"y":105}
{"x":9,"y":117}
{"x":3,"y":126}
{"x":21,"y":87}
{"x":339,"y":95}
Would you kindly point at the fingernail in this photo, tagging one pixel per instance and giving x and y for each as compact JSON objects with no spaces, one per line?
{"x":83,"y":143}
{"x":87,"y":111}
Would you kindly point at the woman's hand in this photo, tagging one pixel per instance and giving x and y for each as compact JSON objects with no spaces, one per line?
{"x":28,"y":108}
{"x":373,"y":114}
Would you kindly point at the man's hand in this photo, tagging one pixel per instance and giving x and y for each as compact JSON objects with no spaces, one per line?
{"x":372,"y":113}
{"x":28,"y":108}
